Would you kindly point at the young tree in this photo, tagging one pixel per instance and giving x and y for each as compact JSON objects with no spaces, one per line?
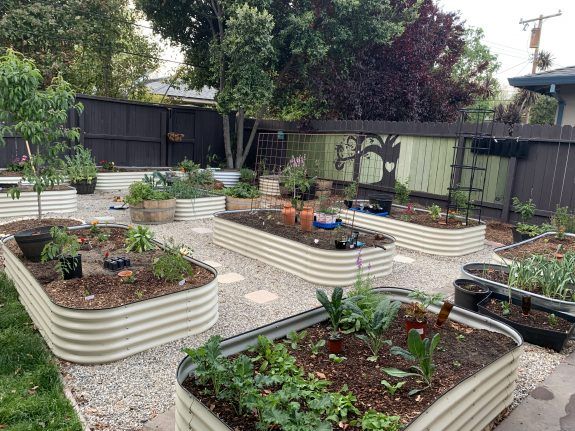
{"x":251,"y":51}
{"x":38,"y":116}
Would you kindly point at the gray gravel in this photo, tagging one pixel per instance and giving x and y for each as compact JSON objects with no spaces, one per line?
{"x":124,"y":395}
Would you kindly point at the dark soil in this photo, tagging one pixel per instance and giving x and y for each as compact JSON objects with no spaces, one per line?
{"x":491,"y":274}
{"x":472,"y":287}
{"x":271,"y":222}
{"x":16,"y":226}
{"x":547,"y":246}
{"x":105,"y":285}
{"x":456,"y":359}
{"x":424,"y":219}
{"x":500,"y":232}
{"x":535,"y":318}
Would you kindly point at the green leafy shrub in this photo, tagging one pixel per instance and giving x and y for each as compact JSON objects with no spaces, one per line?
{"x":526,"y":210}
{"x":172,"y":266}
{"x":350,"y":191}
{"x":62,"y":244}
{"x":418,"y":351}
{"x":81,"y":166}
{"x":563,"y":222}
{"x":434,"y":212}
{"x":247,"y":175}
{"x":188,"y":166}
{"x":402,"y":192}
{"x":186,"y":189}
{"x":243,"y":191}
{"x":139,"y":239}
{"x":460,"y":198}
{"x":141,"y":191}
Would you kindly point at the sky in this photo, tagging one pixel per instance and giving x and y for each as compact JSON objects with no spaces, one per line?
{"x":503,"y":34}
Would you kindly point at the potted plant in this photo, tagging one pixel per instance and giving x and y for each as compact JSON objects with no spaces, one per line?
{"x":468,"y":293}
{"x":334,"y":310}
{"x":416,"y":312}
{"x":64,"y":247}
{"x":350,"y":194}
{"x":81,"y":170}
{"x":526,"y":210}
{"x":148,"y":205}
{"x":38,"y":114}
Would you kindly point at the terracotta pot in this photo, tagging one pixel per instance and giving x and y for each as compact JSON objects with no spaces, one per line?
{"x":335,"y":345}
{"x":288,"y":214}
{"x":306,"y":217}
{"x":421,"y":327}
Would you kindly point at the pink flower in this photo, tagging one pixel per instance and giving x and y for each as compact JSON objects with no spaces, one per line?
{"x":359,"y":261}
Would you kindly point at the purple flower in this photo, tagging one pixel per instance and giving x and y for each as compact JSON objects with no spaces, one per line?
{"x":359,"y":261}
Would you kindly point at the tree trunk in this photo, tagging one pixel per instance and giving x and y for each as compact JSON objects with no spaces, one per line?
{"x":228,"y":141}
{"x":240,"y":119}
{"x":39,"y":206}
{"x":250,"y":142}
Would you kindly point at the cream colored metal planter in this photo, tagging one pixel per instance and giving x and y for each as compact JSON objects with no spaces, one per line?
{"x":430,"y":240}
{"x":469,"y":406}
{"x":100,"y":336}
{"x":117,"y":181}
{"x":270,"y":185}
{"x":193,"y":209}
{"x":229,"y":178}
{"x":53,"y":201}
{"x":318,"y":266}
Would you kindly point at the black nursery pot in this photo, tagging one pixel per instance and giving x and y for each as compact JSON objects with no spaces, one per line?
{"x":348,"y":203}
{"x":518,"y":237}
{"x":340,"y":245}
{"x":539,"y":336}
{"x":71,"y":266}
{"x":85,"y":187}
{"x":466,"y":298}
{"x":383,"y":201}
{"x":307,"y":195}
{"x":33,"y":241}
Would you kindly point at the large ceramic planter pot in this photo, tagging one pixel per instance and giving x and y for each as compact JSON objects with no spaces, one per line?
{"x":195,"y":209}
{"x":98,"y":336}
{"x":153,"y":212}
{"x":566,"y":307}
{"x":234,"y":204}
{"x":270,"y":185}
{"x":425,"y":239}
{"x":319,"y":266}
{"x":229,"y":177}
{"x":85,"y":187}
{"x":468,"y":293}
{"x":53,"y":201}
{"x":539,"y":336}
{"x":469,"y":406}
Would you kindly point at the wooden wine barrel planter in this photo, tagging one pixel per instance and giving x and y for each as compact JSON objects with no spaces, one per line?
{"x":153,"y":212}
{"x":233,"y":204}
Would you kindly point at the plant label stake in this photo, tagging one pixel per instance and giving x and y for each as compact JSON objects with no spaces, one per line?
{"x":444,"y":313}
{"x":526,"y":304}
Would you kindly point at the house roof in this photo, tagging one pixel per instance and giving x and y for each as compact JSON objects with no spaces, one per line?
{"x":161,"y":86}
{"x":541,"y":81}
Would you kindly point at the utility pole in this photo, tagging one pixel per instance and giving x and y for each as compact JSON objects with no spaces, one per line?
{"x":536,"y":35}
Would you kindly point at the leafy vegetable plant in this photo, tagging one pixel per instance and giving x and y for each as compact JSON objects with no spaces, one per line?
{"x":139,"y":239}
{"x":434,"y":212}
{"x":377,"y":421}
{"x":294,"y":339}
{"x":334,"y":307}
{"x":419,"y":351}
{"x":172,"y":265}
{"x":141,"y":191}
{"x":392,"y":389}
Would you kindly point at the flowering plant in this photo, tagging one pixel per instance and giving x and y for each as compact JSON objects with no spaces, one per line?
{"x":17,"y":165}
{"x":296,"y":176}
{"x":108,"y":166}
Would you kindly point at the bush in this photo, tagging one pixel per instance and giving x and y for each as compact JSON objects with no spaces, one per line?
{"x":186,"y":189}
{"x":172,"y":266}
{"x":140,"y":191}
{"x":402,"y":192}
{"x":243,"y":191}
{"x":81,"y":166}
{"x":247,"y":175}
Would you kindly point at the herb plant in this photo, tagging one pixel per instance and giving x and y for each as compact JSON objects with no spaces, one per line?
{"x":552,"y":320}
{"x":81,"y":165}
{"x":243,"y":191}
{"x":139,"y":239}
{"x":418,"y":351}
{"x":141,"y":191}
{"x":172,"y":266}
{"x":402,"y":191}
{"x":247,"y":176}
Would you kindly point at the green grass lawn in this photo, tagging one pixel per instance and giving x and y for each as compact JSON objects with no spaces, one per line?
{"x":31,"y":394}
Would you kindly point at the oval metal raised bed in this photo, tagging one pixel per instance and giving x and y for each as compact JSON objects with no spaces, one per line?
{"x":507,"y":261}
{"x":430,"y":240}
{"x":469,"y":406}
{"x":53,"y":201}
{"x":106,"y":335}
{"x":316,"y":265}
{"x":194,"y":209}
{"x":543,"y":301}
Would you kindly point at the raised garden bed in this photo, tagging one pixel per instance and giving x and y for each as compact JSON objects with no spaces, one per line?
{"x":536,"y":327}
{"x":429,"y":237}
{"x":545,"y":244}
{"x":60,"y":200}
{"x":294,"y":251}
{"x":468,"y":396}
{"x":121,"y":180}
{"x":98,"y":318}
{"x":237,"y":204}
{"x":270,"y":185}
{"x":495,"y":277}
{"x":194,"y":209}
{"x":228,"y":177}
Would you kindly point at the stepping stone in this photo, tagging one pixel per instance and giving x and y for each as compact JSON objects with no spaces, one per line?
{"x":261,"y":296}
{"x":403,"y":259}
{"x":230,"y":277}
{"x":164,"y":422}
{"x":212,"y":263}
{"x":201,"y":230}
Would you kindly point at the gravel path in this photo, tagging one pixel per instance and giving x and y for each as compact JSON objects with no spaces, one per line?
{"x":123,"y":395}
